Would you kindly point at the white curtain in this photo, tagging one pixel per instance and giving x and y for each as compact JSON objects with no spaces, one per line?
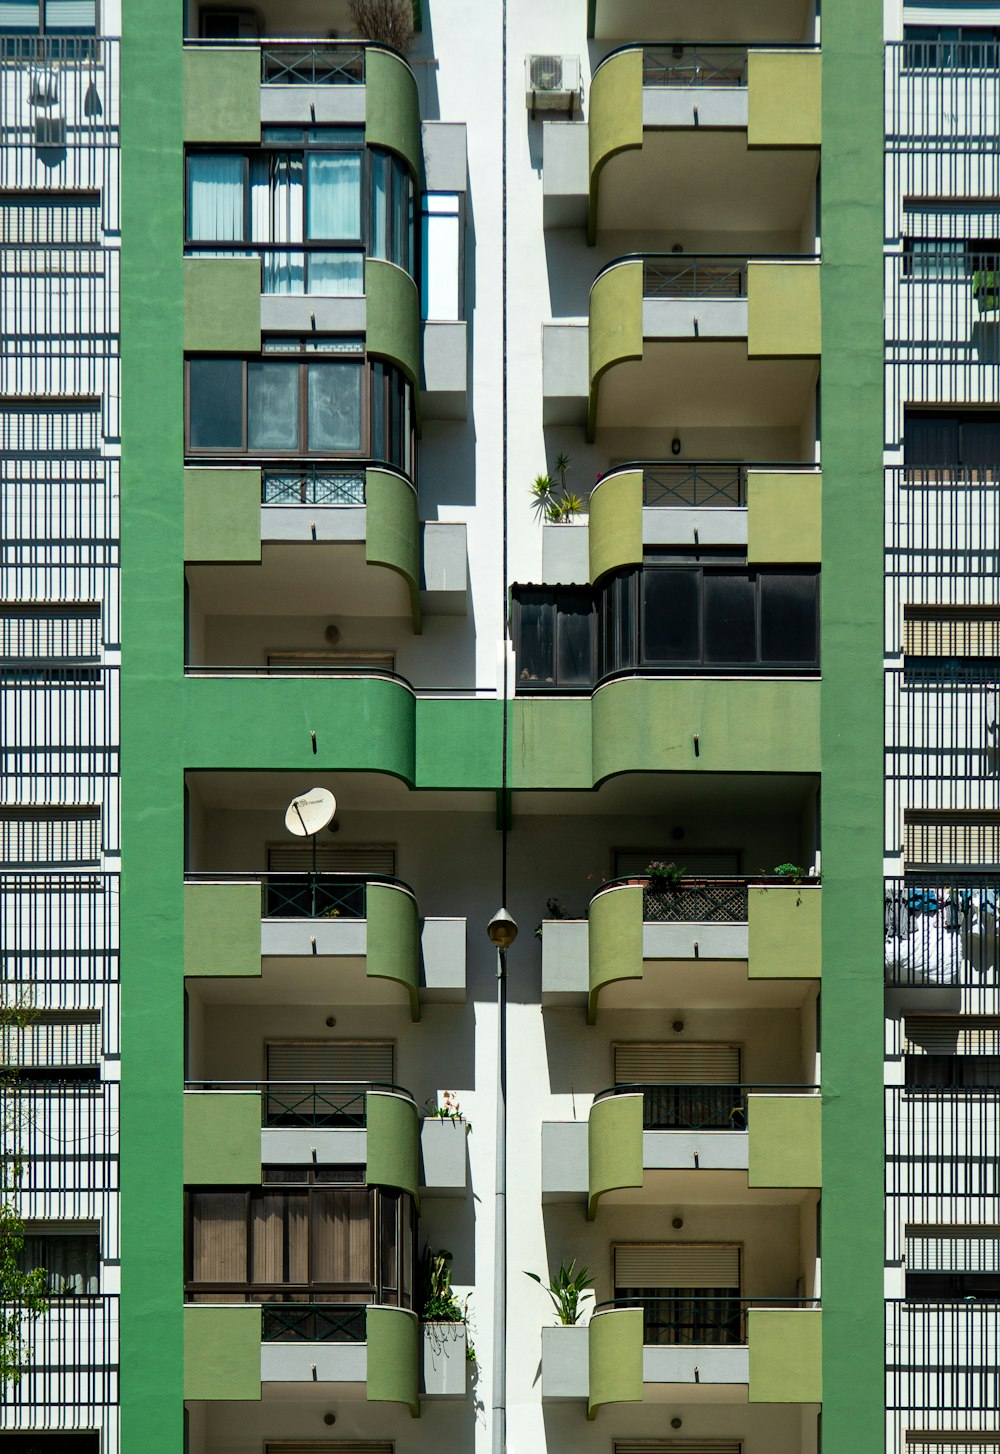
{"x":276,"y":217}
{"x":333,"y":213}
{"x":215,"y":201}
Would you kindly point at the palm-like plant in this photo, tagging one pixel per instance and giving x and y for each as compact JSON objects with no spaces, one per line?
{"x":566,"y":1289}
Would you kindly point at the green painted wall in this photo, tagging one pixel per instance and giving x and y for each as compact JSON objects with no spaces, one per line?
{"x":392,"y":318}
{"x":614,"y":934}
{"x":784,"y":518}
{"x":392,"y":108}
{"x":393,"y":1157}
{"x":392,"y":530}
{"x":222,"y":1138}
{"x":784,"y":98}
{"x":783,"y":310}
{"x":785,"y":932}
{"x":615,"y":333}
{"x":393,"y":1337}
{"x":551,"y":743}
{"x":614,"y":1144}
{"x":221,"y":929}
{"x":784,"y":1140}
{"x":393,"y":950}
{"x":152,"y":914}
{"x":615,"y":1344}
{"x":853,"y":1151}
{"x":786,"y":1361}
{"x":221,"y":92}
{"x":221,"y":1353}
{"x":221,"y":514}
{"x":615,"y":122}
{"x":615,"y":523}
{"x":222,"y":305}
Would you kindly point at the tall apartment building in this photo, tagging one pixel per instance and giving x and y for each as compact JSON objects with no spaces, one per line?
{"x":711,"y":711}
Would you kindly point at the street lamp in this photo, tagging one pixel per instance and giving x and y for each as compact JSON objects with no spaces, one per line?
{"x":502,"y":931}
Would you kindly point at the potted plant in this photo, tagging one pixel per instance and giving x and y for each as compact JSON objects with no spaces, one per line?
{"x":566,"y":1289}
{"x":553,"y":502}
{"x":442,"y":1145}
{"x":664,"y":876}
{"x":565,"y":1347}
{"x":444,"y":1321}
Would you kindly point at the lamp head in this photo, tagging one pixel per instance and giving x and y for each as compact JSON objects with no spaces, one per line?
{"x":502,"y":929}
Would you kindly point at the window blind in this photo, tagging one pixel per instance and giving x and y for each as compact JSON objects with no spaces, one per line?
{"x":52,"y":1040}
{"x":359,"y":858}
{"x":633,"y":862}
{"x":677,"y":1265}
{"x":49,"y":836}
{"x":952,"y":1035}
{"x":953,"y":1249}
{"x":678,"y":1446}
{"x":946,"y":839}
{"x":31,"y":220}
{"x":62,"y":631}
{"x":925,"y":217}
{"x":677,"y":1064}
{"x":360,"y":1060}
{"x":953,"y":1443}
{"x":63,"y":427}
{"x":70,"y":14}
{"x":929,"y":631}
{"x":19,"y":15}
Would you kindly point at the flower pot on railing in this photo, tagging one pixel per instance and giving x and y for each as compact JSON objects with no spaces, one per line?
{"x":445,"y":1361}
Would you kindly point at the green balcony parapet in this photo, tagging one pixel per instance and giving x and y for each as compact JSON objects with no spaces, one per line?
{"x":392,"y":530}
{"x":392,"y":107}
{"x":614,"y":1146}
{"x":222,"y":1352}
{"x":615,"y":1345}
{"x":221,"y":94}
{"x":784,"y":517}
{"x":222,"y":1138}
{"x":615,"y":332}
{"x":393,"y":939}
{"x":785,"y":931}
{"x":222,"y":514}
{"x":614,"y":932}
{"x":614,"y":523}
{"x":783,"y":309}
{"x":393,"y":1141}
{"x":784,"y":1140}
{"x":785,"y":98}
{"x":615,"y":119}
{"x":392,"y":318}
{"x":222,"y":305}
{"x":393,"y":1353}
{"x":786,"y":1355}
{"x":221,"y":930}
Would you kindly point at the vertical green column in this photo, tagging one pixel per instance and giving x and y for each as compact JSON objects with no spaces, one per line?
{"x":152,"y":945}
{"x":853,"y":1152}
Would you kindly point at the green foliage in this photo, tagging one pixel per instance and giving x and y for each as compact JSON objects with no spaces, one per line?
{"x":437,"y":1298}
{"x":664,"y":875}
{"x":553,"y":502}
{"x":789,"y":870}
{"x":566,"y":1290}
{"x":23,"y":1294}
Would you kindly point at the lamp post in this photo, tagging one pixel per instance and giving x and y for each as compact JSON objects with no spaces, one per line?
{"x":502,"y":931}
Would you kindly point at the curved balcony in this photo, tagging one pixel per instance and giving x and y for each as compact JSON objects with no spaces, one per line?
{"x":664,"y":116}
{"x":771,"y":925}
{"x":655,"y":1349}
{"x":772,"y":509}
{"x":232,"y":1128}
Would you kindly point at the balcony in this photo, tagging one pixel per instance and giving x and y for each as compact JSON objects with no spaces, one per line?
{"x":946,"y":308}
{"x":656,"y":1349}
{"x":942,"y":948}
{"x":69,"y":1361}
{"x":648,"y":1141}
{"x":275,"y":926}
{"x":947,"y":91}
{"x":662,"y":118}
{"x":64,"y":1136}
{"x":726,"y":339}
{"x":638,"y":945}
{"x":732,"y":20}
{"x":943,"y":1357}
{"x":60,"y":95}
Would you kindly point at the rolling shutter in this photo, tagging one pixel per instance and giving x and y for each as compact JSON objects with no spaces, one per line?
{"x":349,"y":1446}
{"x":72,"y":15}
{"x":359,"y":858}
{"x":674,"y":1264}
{"x":984,"y":1443}
{"x":52,"y":1040}
{"x":958,"y":220}
{"x":633,"y":862}
{"x":677,"y":1064}
{"x":19,"y":15}
{"x":67,"y":427}
{"x":28,"y":220}
{"x":358,"y":1060}
{"x":49,"y":836}
{"x":62,"y":631}
{"x":952,"y":1035}
{"x":929,"y":631}
{"x":678,"y":1446}
{"x":953,"y":1249}
{"x":946,"y":839}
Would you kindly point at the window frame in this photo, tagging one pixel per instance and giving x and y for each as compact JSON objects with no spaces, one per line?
{"x":28,"y":32}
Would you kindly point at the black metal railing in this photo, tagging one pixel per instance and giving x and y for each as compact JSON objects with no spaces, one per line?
{"x":706,"y":64}
{"x":313,"y":1323}
{"x":334,"y":1104}
{"x":945,"y":317}
{"x":942,"y":1356}
{"x":699,"y":1317}
{"x":312,"y":485}
{"x":687,"y":276}
{"x":308,"y":895}
{"x":697,"y":1107}
{"x":943,"y":935}
{"x":68,"y":1355}
{"x":58,"y":721}
{"x":60,"y":1135}
{"x":698,"y":485}
{"x":59,"y":934}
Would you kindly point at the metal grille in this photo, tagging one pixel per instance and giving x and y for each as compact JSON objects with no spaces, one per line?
{"x":49,"y":836}
{"x":52,"y":1040}
{"x":946,"y":839}
{"x":69,"y":1355}
{"x":62,"y":630}
{"x":313,"y":487}
{"x":62,"y":1135}
{"x":718,"y":901}
{"x":942,"y":1356}
{"x":690,"y":65}
{"x":942,"y":92}
{"x":66,"y":427}
{"x":697,"y":485}
{"x":693,"y":277}
{"x":60,"y":939}
{"x":313,"y":1323}
{"x":953,"y":1249}
{"x":329,"y":64}
{"x":952,"y":1035}
{"x":47,"y":219}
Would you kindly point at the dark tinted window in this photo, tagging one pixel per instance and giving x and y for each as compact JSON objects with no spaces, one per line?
{"x":216,"y":388}
{"x":963,"y":1071}
{"x":788,"y":624}
{"x":671,"y":616}
{"x":575,"y":639}
{"x":953,"y":1286}
{"x":730,"y":618}
{"x":536,"y":638}
{"x":944,"y":441}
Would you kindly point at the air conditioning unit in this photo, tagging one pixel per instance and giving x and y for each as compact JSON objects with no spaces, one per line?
{"x":552,"y":83}
{"x":219,"y":24}
{"x":50,"y":131}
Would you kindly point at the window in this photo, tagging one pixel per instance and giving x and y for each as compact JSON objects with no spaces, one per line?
{"x":943,"y":444}
{"x":49,"y":426}
{"x":443,"y":256}
{"x":950,"y":47}
{"x":32,"y":219}
{"x":319,"y":397}
{"x":555,"y":634}
{"x":51,"y":1044}
{"x":42,"y":632}
{"x":49,"y":837}
{"x":918,"y":1442}
{"x":952,"y":1051}
{"x":941,"y":839}
{"x":48,"y":17}
{"x":32,"y":1443}
{"x":685,"y":1086}
{"x":951,"y":644}
{"x":71,"y":1258}
{"x":313,"y":202}
{"x":689,"y":1293}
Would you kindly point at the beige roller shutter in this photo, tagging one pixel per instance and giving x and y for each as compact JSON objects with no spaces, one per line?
{"x":952,"y":1249}
{"x":987,"y":1442}
{"x":355,"y":1060}
{"x":678,"y":1446}
{"x":675,"y":1264}
{"x":359,"y":858}
{"x":33,"y":219}
{"x":41,"y":631}
{"x":952,"y":1035}
{"x":677,"y":1064}
{"x":52,"y":1040}
{"x":948,"y":839}
{"x":961,"y":631}
{"x":48,"y":837}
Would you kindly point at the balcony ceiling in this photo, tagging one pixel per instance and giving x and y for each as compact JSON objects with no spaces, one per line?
{"x":735,"y":20}
{"x":704,"y":984}
{"x":708,"y":181}
{"x":369,"y":792}
{"x":316,"y":579}
{"x":706,"y":383}
{"x":705,"y":1189}
{"x":304,"y":981}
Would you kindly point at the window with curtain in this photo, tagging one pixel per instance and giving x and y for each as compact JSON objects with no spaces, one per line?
{"x":299,"y":203}
{"x":71,"y":1260}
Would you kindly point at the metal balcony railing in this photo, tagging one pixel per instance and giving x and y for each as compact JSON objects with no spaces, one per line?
{"x":328,"y":1103}
{"x":947,"y":92}
{"x":706,"y":64}
{"x":307,"y":895}
{"x":697,"y":1107}
{"x":942,"y":1356}
{"x":60,"y":1136}
{"x":294,"y":1322}
{"x":312,"y":485}
{"x":687,"y":276}
{"x":695,"y":1318}
{"x":691,"y":900}
{"x":60,"y":936}
{"x":323,"y":63}
{"x":58,"y":721}
{"x":944,"y":316}
{"x":944,"y":935}
{"x":68,"y":1354}
{"x":697,"y":485}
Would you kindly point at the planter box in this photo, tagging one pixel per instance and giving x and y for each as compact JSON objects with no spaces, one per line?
{"x":443,"y":1156}
{"x":565,"y":1363}
{"x":445,"y":1363}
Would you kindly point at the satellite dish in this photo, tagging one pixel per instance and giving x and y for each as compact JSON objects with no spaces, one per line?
{"x":310,"y":812}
